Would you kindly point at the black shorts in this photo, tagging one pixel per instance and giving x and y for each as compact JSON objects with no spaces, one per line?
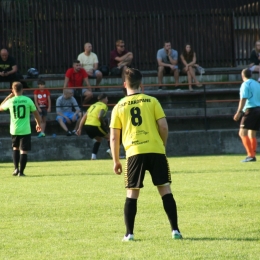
{"x":155,"y":163}
{"x":93,"y":131}
{"x":44,"y":111}
{"x":251,"y":119}
{"x":23,"y":142}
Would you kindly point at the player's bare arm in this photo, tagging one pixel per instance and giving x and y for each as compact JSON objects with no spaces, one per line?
{"x":163,"y":129}
{"x":8,"y":97}
{"x":38,"y":120}
{"x":82,"y":122}
{"x":239,"y":112}
{"x":115,"y":145}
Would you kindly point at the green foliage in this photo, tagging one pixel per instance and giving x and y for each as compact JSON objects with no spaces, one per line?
{"x":74,"y":210}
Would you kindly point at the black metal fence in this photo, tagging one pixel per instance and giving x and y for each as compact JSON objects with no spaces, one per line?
{"x":48,"y":35}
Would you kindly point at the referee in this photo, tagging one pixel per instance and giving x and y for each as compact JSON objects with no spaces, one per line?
{"x":249,"y":109}
{"x":144,"y":136}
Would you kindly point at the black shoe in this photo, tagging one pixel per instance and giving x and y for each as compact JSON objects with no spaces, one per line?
{"x":69,"y":133}
{"x":16,"y":171}
{"x":160,"y":88}
{"x":21,"y":174}
{"x":74,"y":132}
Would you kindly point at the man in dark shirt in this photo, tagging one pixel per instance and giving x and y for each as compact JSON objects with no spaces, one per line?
{"x":120,"y":58}
{"x":8,"y":67}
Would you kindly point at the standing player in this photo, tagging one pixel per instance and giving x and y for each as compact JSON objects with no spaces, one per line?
{"x":144,"y":135}
{"x":42,"y":101}
{"x":20,"y":107}
{"x":249,"y":109}
{"x":95,"y":124}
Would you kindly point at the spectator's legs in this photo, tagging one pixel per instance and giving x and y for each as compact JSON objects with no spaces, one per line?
{"x":98,"y":77}
{"x":88,"y":95}
{"x":77,"y":123}
{"x":176,"y":76}
{"x":160,"y":74}
{"x":43,"y":124}
{"x":189,"y":76}
{"x":62,"y":124}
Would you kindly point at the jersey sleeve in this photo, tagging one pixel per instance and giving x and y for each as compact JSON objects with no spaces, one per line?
{"x":244,"y":91}
{"x":115,"y":120}
{"x":158,"y":111}
{"x":68,"y":73}
{"x":32,"y":106}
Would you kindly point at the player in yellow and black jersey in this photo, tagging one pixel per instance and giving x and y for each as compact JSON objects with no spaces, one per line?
{"x":95,"y":124}
{"x":144,"y":135}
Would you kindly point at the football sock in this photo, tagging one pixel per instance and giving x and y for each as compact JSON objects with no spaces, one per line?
{"x":253,"y":142}
{"x":16,"y":158}
{"x":96,"y":147}
{"x":170,"y":208}
{"x":247,"y":144}
{"x":130,"y":210}
{"x":23,"y":161}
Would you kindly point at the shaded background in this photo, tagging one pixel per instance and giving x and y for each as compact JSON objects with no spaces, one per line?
{"x":48,"y":35}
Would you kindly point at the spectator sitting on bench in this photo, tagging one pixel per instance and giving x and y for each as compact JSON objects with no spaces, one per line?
{"x":255,"y":59}
{"x":120,"y":58}
{"x":75,"y":77}
{"x":89,"y":61}
{"x":167,"y":59}
{"x":188,"y":59}
{"x":64,"y":109}
{"x":8,"y":67}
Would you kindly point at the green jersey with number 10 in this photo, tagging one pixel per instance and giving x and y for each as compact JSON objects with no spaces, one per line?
{"x":20,"y":108}
{"x":137,"y":116}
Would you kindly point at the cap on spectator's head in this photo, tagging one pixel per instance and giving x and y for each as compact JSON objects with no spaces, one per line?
{"x":102,"y":96}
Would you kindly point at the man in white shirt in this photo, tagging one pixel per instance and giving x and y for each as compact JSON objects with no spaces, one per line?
{"x":89,"y":62}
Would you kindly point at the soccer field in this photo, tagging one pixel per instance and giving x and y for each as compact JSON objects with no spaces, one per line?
{"x":74,"y":210}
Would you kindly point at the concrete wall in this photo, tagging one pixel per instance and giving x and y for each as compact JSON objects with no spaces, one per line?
{"x":79,"y":148}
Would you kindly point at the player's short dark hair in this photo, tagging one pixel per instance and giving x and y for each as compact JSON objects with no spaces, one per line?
{"x":247,"y":73}
{"x":40,"y":82}
{"x":166,"y":41}
{"x":17,"y":86}
{"x":76,"y":61}
{"x":102,"y":96}
{"x":133,"y":77}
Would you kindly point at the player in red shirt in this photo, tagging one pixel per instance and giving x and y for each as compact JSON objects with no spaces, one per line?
{"x":42,"y":101}
{"x":75,"y":77}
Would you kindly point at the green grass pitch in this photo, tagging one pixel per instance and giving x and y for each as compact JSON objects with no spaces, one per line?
{"x":74,"y":210}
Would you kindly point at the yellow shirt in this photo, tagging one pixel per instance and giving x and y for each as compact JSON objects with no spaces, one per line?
{"x":93,"y":113}
{"x":136,"y":115}
{"x":88,"y":62}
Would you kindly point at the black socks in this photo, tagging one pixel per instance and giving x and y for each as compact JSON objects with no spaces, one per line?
{"x":129,"y":213}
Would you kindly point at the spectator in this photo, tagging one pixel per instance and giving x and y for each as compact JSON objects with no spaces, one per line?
{"x":89,"y":62}
{"x":64,"y":108}
{"x":75,"y":77}
{"x":167,"y":59}
{"x":255,"y":59}
{"x":8,"y":67}
{"x":188,"y":59}
{"x":120,"y":58}
{"x":42,"y":101}
{"x":20,"y":108}
{"x":95,"y":124}
{"x":144,"y":134}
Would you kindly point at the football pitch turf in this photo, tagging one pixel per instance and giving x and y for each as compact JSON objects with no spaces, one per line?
{"x":74,"y":210}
